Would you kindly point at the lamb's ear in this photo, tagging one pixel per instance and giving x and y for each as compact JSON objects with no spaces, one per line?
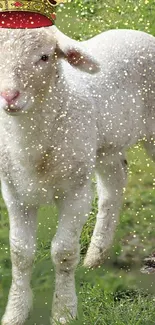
{"x":79,"y":58}
{"x":74,"y":53}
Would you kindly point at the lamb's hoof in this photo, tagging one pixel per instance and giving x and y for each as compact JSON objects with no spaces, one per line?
{"x":11,"y":321}
{"x":7,"y":321}
{"x":95,"y":256}
{"x":63,"y":315}
{"x":18,"y":309}
{"x":61,"y":320}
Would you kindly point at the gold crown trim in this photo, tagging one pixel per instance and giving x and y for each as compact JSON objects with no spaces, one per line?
{"x":44,"y":7}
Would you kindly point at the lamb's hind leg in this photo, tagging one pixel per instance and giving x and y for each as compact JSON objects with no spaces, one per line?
{"x":111,"y":176}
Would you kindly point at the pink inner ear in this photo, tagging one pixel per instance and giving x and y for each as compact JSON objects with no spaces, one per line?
{"x":74,"y":57}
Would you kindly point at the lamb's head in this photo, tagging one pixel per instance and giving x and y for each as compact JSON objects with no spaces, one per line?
{"x":28,"y":65}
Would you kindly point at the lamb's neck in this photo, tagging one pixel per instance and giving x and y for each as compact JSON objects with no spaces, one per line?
{"x":32,"y":130}
{"x":38,"y":128}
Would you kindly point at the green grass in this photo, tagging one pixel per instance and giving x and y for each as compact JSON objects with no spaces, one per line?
{"x":114,"y":309}
{"x":109,"y":295}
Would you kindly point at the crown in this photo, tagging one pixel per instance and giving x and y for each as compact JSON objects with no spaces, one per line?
{"x":21,"y":10}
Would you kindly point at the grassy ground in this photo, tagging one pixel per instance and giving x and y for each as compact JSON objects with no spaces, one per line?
{"x":108,"y":295}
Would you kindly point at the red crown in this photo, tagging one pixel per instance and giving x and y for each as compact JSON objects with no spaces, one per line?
{"x":27,"y":13}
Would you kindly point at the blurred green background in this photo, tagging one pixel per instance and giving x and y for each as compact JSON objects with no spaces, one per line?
{"x":116,"y":293}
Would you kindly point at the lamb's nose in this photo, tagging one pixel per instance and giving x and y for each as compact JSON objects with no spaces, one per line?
{"x":10,"y":95}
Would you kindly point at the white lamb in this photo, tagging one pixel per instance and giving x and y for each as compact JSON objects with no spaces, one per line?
{"x":68,"y":109}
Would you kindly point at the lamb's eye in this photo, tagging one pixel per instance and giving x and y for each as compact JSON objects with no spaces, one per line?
{"x":44,"y":58}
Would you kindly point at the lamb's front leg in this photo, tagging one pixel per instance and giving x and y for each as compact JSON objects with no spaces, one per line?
{"x":22,"y":245}
{"x":65,"y":252}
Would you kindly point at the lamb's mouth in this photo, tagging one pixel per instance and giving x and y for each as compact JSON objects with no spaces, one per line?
{"x":18,"y":108}
{"x":11,"y":110}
